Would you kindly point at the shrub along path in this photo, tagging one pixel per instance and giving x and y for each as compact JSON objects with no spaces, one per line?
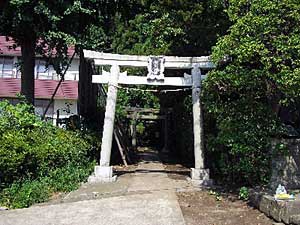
{"x":148,"y":193}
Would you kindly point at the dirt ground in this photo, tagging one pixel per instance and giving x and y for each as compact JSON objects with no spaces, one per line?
{"x":210,"y":207}
{"x":202,"y":208}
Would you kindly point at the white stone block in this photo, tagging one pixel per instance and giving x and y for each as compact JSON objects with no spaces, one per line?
{"x":94,"y":179}
{"x":102,"y":174}
{"x":103,"y":171}
{"x":200,"y":177}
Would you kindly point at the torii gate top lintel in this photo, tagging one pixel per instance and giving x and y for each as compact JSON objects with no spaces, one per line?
{"x":155,"y":65}
{"x":171,"y":62}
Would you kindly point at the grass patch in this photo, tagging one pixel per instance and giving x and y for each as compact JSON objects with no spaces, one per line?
{"x":28,"y":192}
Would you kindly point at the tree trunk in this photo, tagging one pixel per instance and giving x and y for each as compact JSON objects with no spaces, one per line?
{"x":87,"y":102}
{"x":27,"y":78}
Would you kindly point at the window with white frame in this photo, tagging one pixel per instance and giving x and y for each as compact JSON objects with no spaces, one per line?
{"x":6,"y":67}
{"x":42,"y":71}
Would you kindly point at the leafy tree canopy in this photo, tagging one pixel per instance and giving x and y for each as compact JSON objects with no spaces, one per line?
{"x":49,"y":28}
{"x":181,"y":27}
{"x":51,"y":25}
{"x":258,"y":72}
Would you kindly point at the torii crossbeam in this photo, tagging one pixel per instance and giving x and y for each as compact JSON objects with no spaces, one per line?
{"x":156,"y":66}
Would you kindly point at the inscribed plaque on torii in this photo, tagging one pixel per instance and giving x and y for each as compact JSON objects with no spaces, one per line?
{"x":156,"y":68}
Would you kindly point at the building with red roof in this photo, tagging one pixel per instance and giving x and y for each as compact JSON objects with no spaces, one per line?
{"x":46,"y":80}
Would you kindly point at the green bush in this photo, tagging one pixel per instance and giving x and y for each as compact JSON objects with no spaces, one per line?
{"x":257,"y":75}
{"x":27,"y":192}
{"x":244,"y":193}
{"x":37,"y":158}
{"x":68,"y":178}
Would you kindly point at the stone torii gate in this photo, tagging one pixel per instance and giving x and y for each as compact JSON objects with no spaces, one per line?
{"x":155,"y":76}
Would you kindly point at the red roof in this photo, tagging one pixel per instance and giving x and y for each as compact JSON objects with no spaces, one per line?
{"x":6,"y":47}
{"x":10,"y":87}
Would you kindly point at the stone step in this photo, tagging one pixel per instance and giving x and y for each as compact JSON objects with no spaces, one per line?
{"x":285,"y":211}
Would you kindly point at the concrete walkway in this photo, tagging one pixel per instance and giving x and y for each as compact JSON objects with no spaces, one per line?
{"x":144,"y":196}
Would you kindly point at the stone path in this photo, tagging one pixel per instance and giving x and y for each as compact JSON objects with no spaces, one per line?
{"x":145,"y":196}
{"x":149,"y":193}
{"x":155,"y":208}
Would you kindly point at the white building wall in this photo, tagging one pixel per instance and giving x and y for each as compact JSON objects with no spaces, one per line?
{"x":66,"y":108}
{"x":73,"y":71}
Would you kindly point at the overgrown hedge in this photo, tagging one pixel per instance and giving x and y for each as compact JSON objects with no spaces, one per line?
{"x":257,"y":76}
{"x":37,"y":158}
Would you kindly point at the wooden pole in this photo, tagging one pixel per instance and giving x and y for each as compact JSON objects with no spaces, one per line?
{"x":133,"y":131}
{"x":108,"y":127}
{"x":166,"y":138}
{"x":121,"y":150}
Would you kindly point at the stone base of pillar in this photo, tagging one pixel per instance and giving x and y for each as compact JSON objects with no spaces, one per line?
{"x":201,"y":177}
{"x":102,"y":174}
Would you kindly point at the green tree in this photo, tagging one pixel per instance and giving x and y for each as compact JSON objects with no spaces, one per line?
{"x":182,"y":27}
{"x":258,"y":70}
{"x":48,"y":28}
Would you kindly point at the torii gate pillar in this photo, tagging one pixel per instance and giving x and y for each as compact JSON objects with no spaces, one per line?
{"x":199,"y":175}
{"x":104,"y":172}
